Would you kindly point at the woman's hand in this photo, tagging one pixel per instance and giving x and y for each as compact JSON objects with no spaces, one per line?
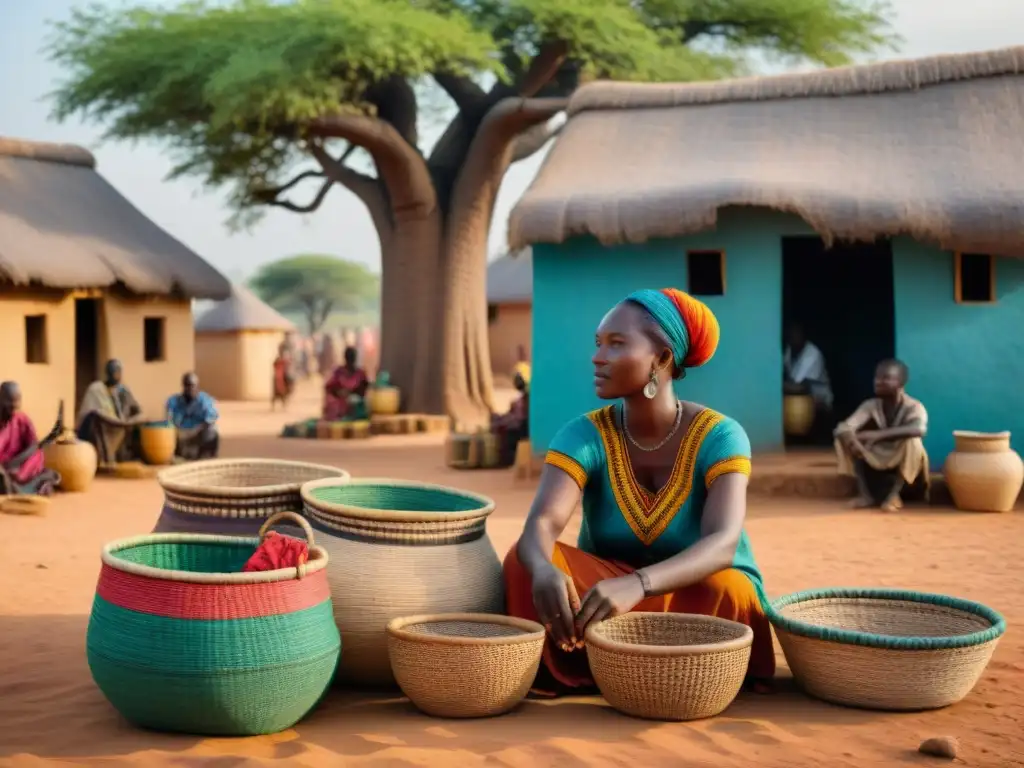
{"x":553,"y":601}
{"x":608,"y":598}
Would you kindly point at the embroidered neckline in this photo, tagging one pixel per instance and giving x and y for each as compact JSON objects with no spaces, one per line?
{"x":649,"y":514}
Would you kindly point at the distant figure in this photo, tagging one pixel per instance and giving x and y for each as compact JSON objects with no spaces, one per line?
{"x":284,"y":380}
{"x":345,"y":391}
{"x":21,"y":461}
{"x":305,"y":362}
{"x":514,"y":426}
{"x":194,"y":415}
{"x":880,"y":444}
{"x":108,"y":417}
{"x":804,"y":369}
{"x":328,"y":355}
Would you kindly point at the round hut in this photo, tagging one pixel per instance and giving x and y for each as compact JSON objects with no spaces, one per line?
{"x":236,"y":342}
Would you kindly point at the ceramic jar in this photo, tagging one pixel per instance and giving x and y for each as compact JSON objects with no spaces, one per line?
{"x":983,"y":473}
{"x":74,"y":460}
{"x":158,"y":441}
{"x":797,"y":414}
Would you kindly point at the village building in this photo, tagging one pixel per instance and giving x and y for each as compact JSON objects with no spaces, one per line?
{"x":237,"y":341}
{"x":509,"y":299}
{"x":84,"y":277}
{"x":880,"y":206}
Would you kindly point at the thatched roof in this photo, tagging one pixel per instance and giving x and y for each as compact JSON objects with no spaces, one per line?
{"x":928,"y":148}
{"x":62,"y":225}
{"x":243,"y":311}
{"x":510,"y":278}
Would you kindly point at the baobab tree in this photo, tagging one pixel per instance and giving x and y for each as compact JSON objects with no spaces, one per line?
{"x":268,"y":95}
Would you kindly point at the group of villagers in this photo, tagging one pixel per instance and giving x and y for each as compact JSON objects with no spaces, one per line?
{"x":663,"y":488}
{"x":109,"y":417}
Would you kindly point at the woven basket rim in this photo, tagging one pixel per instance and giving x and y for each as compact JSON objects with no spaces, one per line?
{"x":969,"y":433}
{"x":318,"y":559}
{"x":174,"y":479}
{"x":329,"y":509}
{"x":531,"y":631}
{"x":888,"y":642}
{"x":594,"y":636}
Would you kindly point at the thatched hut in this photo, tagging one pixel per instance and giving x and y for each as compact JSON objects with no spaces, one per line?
{"x":509,"y":298}
{"x":880,"y":206}
{"x":85,"y":276}
{"x":236,"y":342}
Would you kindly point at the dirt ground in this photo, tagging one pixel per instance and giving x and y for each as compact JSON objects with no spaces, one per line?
{"x":51,"y":712}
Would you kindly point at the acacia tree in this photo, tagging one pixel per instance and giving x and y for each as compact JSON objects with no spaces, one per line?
{"x":315,"y":286}
{"x":244,"y":93}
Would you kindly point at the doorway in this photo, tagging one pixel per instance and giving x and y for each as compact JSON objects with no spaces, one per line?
{"x":87,"y":346}
{"x":843,"y":299}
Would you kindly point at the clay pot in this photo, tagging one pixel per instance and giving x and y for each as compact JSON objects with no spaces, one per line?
{"x":489,"y":453}
{"x":462,"y":451}
{"x":75,"y":460}
{"x":983,"y":473}
{"x":797,"y":414}
{"x":158,"y":441}
{"x":383,"y":401}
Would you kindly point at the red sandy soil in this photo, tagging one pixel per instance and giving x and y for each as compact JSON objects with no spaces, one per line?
{"x":51,"y":712}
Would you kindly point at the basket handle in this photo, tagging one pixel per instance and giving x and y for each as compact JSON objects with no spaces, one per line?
{"x":299,"y":520}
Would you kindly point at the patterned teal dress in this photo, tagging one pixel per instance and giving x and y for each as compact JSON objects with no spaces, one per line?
{"x":622,"y":520}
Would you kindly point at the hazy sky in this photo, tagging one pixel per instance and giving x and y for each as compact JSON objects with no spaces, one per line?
{"x":197,"y":215}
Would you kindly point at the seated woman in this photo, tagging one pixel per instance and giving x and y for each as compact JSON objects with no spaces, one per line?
{"x":108,"y":418}
{"x":514,"y":426}
{"x":663,"y":484}
{"x":194,"y":416}
{"x":21,"y":460}
{"x":881,"y":445}
{"x":345,"y":391}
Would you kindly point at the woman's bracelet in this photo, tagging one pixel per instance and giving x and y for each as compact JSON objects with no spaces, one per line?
{"x":645,"y":583}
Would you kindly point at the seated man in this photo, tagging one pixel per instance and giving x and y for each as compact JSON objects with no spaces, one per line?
{"x":514,"y":426}
{"x":880,"y":444}
{"x":108,"y":418}
{"x":194,"y":415}
{"x":804,"y":372}
{"x":21,"y":460}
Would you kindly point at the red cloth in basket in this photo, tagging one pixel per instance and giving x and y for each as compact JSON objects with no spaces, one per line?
{"x":277,"y":551}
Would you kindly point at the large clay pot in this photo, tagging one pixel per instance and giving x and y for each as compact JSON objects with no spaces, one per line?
{"x":400,"y":548}
{"x":983,"y":473}
{"x":74,"y":460}
{"x":797,"y":414}
{"x":383,"y":401}
{"x":158,"y":441}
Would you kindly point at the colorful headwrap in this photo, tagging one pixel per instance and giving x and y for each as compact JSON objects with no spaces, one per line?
{"x":691,"y":327}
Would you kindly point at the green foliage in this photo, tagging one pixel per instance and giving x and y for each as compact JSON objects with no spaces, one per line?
{"x":230,"y":86}
{"x":316,"y":286}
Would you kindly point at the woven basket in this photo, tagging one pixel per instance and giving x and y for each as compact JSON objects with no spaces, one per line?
{"x":400,"y":549}
{"x":669,"y":666}
{"x":885,"y":649}
{"x":465,"y":664}
{"x":234,"y":496}
{"x":181,"y":640}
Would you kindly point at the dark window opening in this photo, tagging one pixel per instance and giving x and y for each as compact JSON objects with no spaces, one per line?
{"x":975,"y":278}
{"x":35,"y":339}
{"x":706,"y":271}
{"x":492,"y":313}
{"x":154,"y":339}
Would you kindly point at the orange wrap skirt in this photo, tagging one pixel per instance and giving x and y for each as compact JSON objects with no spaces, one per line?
{"x":727,"y":594}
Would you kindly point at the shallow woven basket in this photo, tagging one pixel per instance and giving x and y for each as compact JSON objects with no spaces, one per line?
{"x":241,"y":488}
{"x":465,"y":664}
{"x":669,"y":666}
{"x":885,"y":649}
{"x":400,"y":548}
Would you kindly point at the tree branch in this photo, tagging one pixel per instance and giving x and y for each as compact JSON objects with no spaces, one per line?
{"x":395,"y":101}
{"x":269,"y":194}
{"x":466,"y":94}
{"x":309,"y":207}
{"x":543,"y":67}
{"x":532,"y":141}
{"x":400,"y":166}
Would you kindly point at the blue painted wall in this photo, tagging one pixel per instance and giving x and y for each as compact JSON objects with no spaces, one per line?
{"x":574,"y":284}
{"x":966,"y":361}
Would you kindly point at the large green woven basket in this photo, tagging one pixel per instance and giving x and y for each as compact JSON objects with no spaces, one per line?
{"x":180,"y":639}
{"x":885,"y":649}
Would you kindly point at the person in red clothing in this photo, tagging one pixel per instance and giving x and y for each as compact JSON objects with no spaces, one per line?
{"x":21,"y":461}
